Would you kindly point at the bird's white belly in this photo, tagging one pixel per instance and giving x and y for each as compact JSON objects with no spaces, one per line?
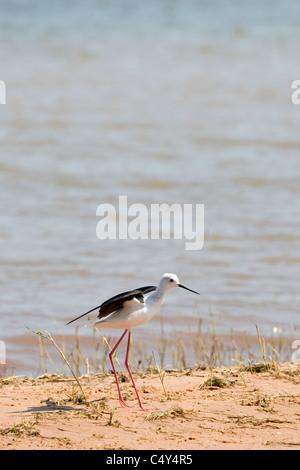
{"x":125,"y":319}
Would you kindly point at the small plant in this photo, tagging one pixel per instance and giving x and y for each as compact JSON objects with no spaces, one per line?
{"x":214,"y":382}
{"x":161,"y":374}
{"x":24,"y":429}
{"x":49,"y":337}
{"x":262,"y":345}
{"x":115,"y":423}
{"x":174,"y":412}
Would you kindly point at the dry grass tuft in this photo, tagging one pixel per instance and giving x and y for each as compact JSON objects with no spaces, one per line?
{"x":174,"y":412}
{"x":24,"y":429}
{"x":215,"y":382}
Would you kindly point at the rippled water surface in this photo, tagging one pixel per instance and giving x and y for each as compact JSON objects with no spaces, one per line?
{"x":186,"y":102}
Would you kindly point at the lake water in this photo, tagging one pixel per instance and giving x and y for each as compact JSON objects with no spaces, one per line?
{"x":186,"y":102}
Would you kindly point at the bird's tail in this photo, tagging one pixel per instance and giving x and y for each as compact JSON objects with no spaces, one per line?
{"x":80,"y":316}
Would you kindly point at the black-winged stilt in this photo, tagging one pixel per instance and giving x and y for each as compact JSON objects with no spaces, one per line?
{"x":130,"y":309}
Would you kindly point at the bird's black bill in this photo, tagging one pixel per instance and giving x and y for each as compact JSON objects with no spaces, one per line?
{"x":180,"y":285}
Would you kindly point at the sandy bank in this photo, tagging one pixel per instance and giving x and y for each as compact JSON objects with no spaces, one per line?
{"x":225,"y":408}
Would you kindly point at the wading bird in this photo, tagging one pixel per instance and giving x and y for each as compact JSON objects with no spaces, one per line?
{"x":130,"y":309}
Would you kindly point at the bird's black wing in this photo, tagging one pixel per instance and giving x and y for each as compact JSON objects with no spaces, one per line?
{"x":116,"y":302}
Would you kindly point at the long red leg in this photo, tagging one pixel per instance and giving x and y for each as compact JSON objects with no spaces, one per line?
{"x":128,"y":368}
{"x":122,"y":402}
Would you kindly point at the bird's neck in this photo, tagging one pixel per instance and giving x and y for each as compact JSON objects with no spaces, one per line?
{"x":157,"y":297}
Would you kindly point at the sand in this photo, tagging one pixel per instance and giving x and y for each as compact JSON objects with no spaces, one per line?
{"x":224,"y":408}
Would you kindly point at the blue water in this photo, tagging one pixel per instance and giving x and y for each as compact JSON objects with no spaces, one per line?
{"x":186,"y":102}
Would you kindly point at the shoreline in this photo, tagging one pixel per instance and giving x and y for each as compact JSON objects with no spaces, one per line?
{"x":31,"y":354}
{"x":192,"y":409}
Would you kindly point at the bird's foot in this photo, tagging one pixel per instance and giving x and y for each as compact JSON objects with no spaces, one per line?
{"x":143,"y":408}
{"x":123,"y":404}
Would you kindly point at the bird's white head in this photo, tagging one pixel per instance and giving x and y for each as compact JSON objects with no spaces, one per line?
{"x":170,"y":280}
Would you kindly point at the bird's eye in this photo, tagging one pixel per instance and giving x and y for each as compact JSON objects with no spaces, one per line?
{"x":171,"y":280}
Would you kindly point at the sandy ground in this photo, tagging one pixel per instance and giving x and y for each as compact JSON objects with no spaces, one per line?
{"x":199,"y":409}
